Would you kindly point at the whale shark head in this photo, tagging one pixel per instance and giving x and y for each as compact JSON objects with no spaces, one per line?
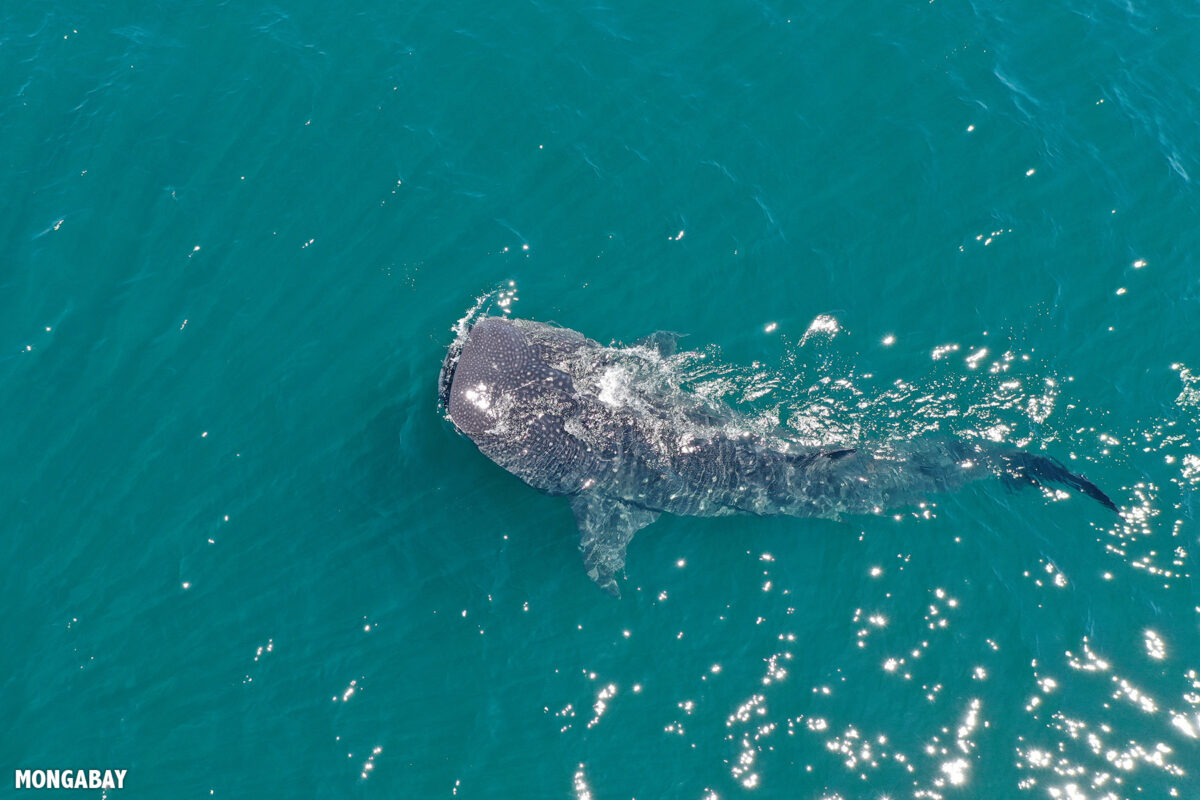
{"x":488,"y":370}
{"x":496,"y":376}
{"x":500,"y":388}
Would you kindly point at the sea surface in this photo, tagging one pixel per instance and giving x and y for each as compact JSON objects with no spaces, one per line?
{"x":244,"y":555}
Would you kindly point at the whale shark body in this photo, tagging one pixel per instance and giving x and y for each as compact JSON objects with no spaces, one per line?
{"x":613,"y":429}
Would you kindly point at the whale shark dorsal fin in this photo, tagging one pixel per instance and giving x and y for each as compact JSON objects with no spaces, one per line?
{"x":664,"y":342}
{"x":606,"y":527}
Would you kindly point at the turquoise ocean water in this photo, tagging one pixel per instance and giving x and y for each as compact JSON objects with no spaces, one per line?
{"x":244,"y":555}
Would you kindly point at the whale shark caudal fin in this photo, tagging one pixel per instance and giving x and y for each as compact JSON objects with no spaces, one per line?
{"x":804,"y":459}
{"x":1020,"y":468}
{"x":940,"y":462}
{"x":605,"y":528}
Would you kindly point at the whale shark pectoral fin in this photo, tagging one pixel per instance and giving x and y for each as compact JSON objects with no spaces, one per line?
{"x":606,"y":527}
{"x":665,"y":342}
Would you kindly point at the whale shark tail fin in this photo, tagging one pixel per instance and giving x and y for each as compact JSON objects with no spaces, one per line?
{"x":606,"y":527}
{"x":915,"y":468}
{"x":1019,"y":468}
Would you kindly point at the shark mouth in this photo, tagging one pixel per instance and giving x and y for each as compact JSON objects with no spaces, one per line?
{"x":446,"y":376}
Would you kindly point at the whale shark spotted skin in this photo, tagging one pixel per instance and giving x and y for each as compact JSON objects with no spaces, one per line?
{"x":613,"y":429}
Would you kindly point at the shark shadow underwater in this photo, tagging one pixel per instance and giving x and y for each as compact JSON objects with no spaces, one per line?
{"x":612,"y":429}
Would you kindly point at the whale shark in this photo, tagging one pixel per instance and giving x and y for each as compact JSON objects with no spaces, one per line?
{"x":615,"y":430}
